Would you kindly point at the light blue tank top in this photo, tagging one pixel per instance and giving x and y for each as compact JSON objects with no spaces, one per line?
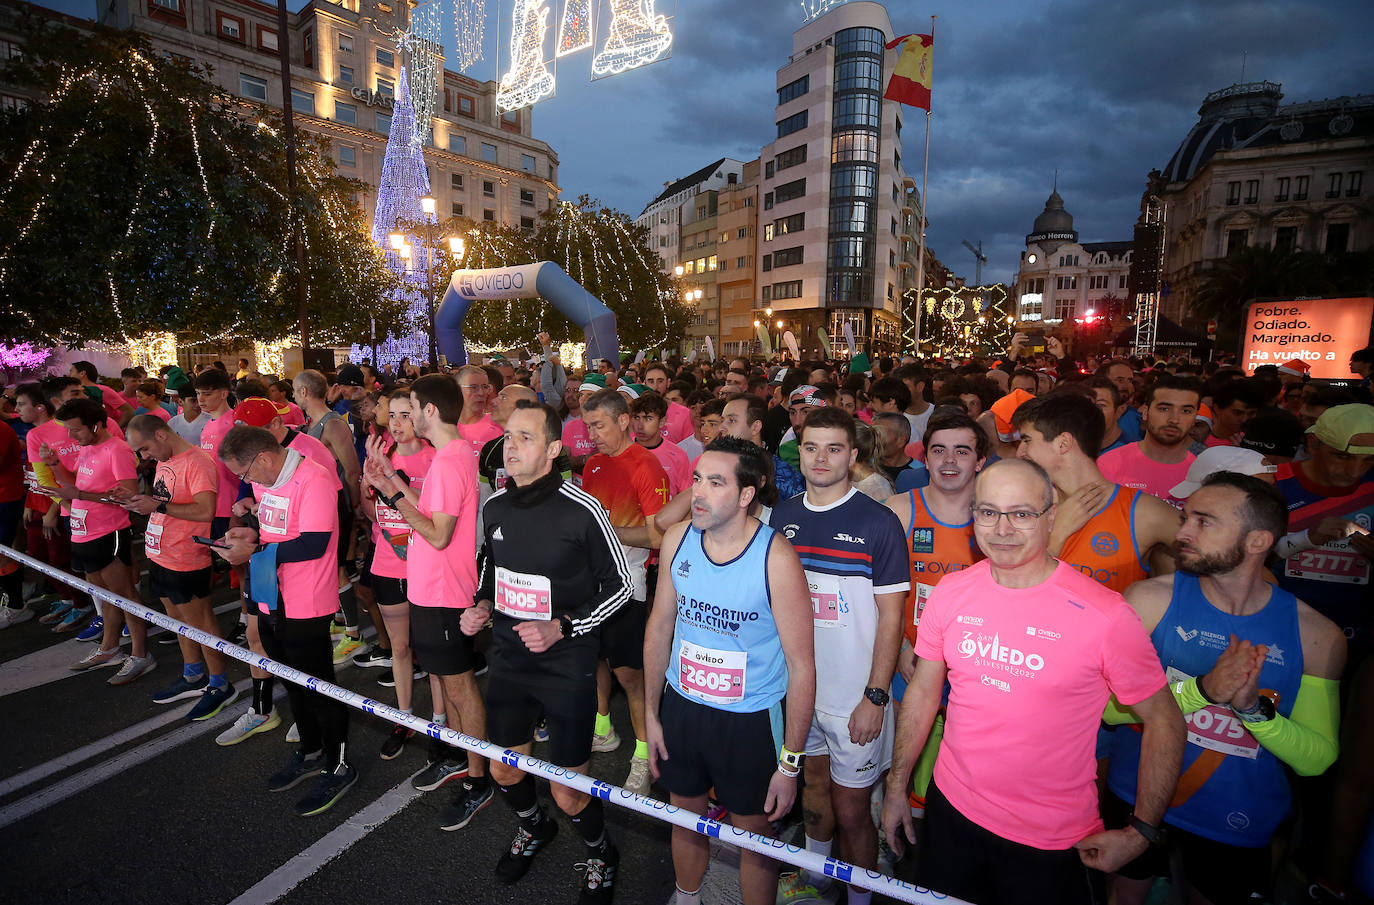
{"x":726,"y":652}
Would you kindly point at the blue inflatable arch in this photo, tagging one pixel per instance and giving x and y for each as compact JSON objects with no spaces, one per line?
{"x":543,"y":279}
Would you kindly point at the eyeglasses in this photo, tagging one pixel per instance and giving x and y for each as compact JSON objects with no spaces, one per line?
{"x":243,"y":475}
{"x":1020,"y":519}
{"x":474,"y":386}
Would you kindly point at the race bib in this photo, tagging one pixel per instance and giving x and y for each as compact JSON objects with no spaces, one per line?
{"x":272,"y":512}
{"x":711,"y":676}
{"x":152,"y":539}
{"x":827,"y":604}
{"x":1216,"y":728}
{"x":1329,"y":564}
{"x":523,"y":596}
{"x":500,"y":480}
{"x":922,"y":594}
{"x":78,"y":520}
{"x":390,"y":520}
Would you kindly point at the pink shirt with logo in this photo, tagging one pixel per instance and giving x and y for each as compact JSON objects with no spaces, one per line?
{"x":113,"y":400}
{"x":575,"y":438}
{"x":678,"y":425}
{"x":210,"y":438}
{"x":1030,"y":672}
{"x":98,"y":469}
{"x":1130,"y":467}
{"x":447,"y":577}
{"x":385,"y":562}
{"x":675,"y":464}
{"x":479,"y":433}
{"x":307,"y":501}
{"x":167,"y":539}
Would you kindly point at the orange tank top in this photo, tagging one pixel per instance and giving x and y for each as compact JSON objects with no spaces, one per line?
{"x":934,"y":549}
{"x":1105,"y":549}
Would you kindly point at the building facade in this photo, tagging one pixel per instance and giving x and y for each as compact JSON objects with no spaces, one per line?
{"x":1254,"y":172}
{"x":664,"y":216}
{"x":737,"y":220}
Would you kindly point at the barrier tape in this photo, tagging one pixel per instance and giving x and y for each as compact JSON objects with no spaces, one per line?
{"x":796,"y":856}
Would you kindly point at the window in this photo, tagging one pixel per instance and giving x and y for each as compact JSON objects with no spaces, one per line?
{"x":742,"y":232}
{"x":308,"y":48}
{"x":1068,"y":260}
{"x":1333,"y":185}
{"x":346,"y":75}
{"x":856,"y":110}
{"x":1063,"y":282}
{"x":1337,"y":238}
{"x":1121,"y":281}
{"x":855,"y":180}
{"x":689,"y":267}
{"x":527,"y":224}
{"x":1097,"y":282}
{"x":1233,"y":193}
{"x":527,"y":163}
{"x":860,"y":146}
{"x":1281,"y":188}
{"x":1354,"y":184}
{"x":787,"y":257}
{"x":345,"y":113}
{"x":851,"y":251}
{"x":794,"y":123}
{"x":792,"y":157}
{"x":385,"y":57}
{"x":1286,"y":238}
{"x":768,"y":232}
{"x":1300,"y":188}
{"x":488,"y":188}
{"x":348,"y":157}
{"x":386,"y":87}
{"x":455,"y":181}
{"x":267,"y":39}
{"x":1251,"y":191}
{"x":741,"y":262}
{"x":302,"y":102}
{"x":891,"y":258}
{"x":457,"y":208}
{"x":859,"y":75}
{"x":250,"y":86}
{"x":511,"y":120}
{"x":488,"y":152}
{"x":794,"y":90}
{"x":789,"y":290}
{"x":890,"y":290}
{"x":1063,"y":308}
{"x":465,"y":105}
{"x":851,"y":217}
{"x":488,"y":214}
{"x":768,"y":170}
{"x":384,"y":122}
{"x":789,"y":191}
{"x":458,"y":144}
{"x":229,"y":27}
{"x":712,"y":263}
{"x":793,"y":224}
{"x":169,"y":5}
{"x":768,"y":293}
{"x":1236,"y":239}
{"x":724,"y":237}
{"x":345,"y":43}
{"x":701,"y":265}
{"x":527,"y":197}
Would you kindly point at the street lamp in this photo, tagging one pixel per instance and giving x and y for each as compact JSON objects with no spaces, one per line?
{"x":455,"y":246}
{"x":428,"y":205}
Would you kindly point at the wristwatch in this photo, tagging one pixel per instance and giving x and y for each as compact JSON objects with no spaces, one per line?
{"x":1155,"y":835}
{"x":877,"y":695}
{"x":161,"y":508}
{"x":1262,"y":712}
{"x":565,"y":625}
{"x":394,"y":498}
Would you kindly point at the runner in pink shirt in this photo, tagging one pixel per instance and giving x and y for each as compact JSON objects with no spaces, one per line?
{"x":1161,"y":459}
{"x":677,"y":425}
{"x":212,"y":392}
{"x":476,"y":426}
{"x":1033,"y":650}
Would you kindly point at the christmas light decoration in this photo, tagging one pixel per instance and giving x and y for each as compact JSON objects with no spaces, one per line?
{"x":469,"y":31}
{"x":152,"y":350}
{"x":637,"y":37}
{"x":271,"y":357}
{"x":421,"y":49}
{"x":971,"y":320}
{"x":813,"y":8}
{"x":22,"y":359}
{"x":573,"y":356}
{"x":528,"y":79}
{"x":575,"y":27}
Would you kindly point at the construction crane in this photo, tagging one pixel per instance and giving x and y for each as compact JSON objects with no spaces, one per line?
{"x":980,"y":258}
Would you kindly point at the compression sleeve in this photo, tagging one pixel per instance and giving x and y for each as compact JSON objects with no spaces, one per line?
{"x":309,"y":545}
{"x":43,"y":474}
{"x":1185,"y":693}
{"x":1307,"y":740}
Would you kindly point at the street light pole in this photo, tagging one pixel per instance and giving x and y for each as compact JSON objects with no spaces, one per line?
{"x":428,"y":206}
{"x":289,"y":135}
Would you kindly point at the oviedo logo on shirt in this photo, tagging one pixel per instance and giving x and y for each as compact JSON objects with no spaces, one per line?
{"x":992,"y":652}
{"x":1104,"y":543}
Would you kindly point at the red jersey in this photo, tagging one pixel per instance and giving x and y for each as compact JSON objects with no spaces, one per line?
{"x":631,"y":487}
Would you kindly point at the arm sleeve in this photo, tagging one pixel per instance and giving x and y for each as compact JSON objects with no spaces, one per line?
{"x":606,"y":560}
{"x":1306,"y":740}
{"x":1185,"y":694}
{"x":308,"y":546}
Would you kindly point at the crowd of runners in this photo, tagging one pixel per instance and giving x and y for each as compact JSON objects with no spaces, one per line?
{"x":1022,"y":629}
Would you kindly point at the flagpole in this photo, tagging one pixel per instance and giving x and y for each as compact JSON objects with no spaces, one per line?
{"x":921,"y":224}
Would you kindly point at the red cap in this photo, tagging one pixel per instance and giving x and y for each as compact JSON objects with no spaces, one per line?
{"x":258,"y":412}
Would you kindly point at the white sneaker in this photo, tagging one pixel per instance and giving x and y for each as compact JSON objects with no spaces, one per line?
{"x":251,"y":723}
{"x":293,"y":734}
{"x":638,"y":780}
{"x":608,"y":742}
{"x":10,"y":616}
{"x":133,"y":668}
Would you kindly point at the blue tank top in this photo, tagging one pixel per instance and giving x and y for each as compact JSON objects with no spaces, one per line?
{"x":726,"y":652}
{"x":1244,"y":794}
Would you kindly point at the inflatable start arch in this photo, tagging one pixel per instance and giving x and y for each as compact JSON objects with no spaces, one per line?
{"x":543,"y":279}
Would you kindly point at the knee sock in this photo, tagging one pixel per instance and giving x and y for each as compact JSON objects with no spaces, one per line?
{"x":523,"y":801}
{"x":603,"y":724}
{"x":591,"y":825}
{"x":819,"y":881}
{"x":262,"y":695}
{"x":348,"y":602}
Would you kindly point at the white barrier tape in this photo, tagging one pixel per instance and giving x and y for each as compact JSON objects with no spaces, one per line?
{"x":764,"y":845}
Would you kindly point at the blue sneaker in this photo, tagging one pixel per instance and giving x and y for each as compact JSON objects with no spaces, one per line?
{"x":72,"y":621}
{"x":214,"y":699}
{"x":93,"y":632}
{"x":182,"y":689}
{"x":56,"y":612}
{"x":124,"y":632}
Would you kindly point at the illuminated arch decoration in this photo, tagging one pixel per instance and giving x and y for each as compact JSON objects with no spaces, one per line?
{"x":544,"y":279}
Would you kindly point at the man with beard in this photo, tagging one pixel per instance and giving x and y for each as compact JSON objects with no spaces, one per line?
{"x":1256,"y":673}
{"x":1161,"y":460}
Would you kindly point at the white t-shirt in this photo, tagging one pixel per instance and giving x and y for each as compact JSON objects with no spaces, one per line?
{"x":189,"y":431}
{"x":691,"y":446}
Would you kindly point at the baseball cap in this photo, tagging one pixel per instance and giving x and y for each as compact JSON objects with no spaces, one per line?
{"x":807,"y":394}
{"x":350,"y":375}
{"x":1221,"y":458}
{"x":1273,"y":434}
{"x":258,"y":412}
{"x":778,"y":377}
{"x":1348,"y":428}
{"x":1004,"y":408}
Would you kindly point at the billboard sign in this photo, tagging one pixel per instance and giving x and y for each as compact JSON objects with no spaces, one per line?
{"x":1319,"y":332}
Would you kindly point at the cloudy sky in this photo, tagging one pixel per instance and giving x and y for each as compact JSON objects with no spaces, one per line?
{"x":1100,"y":91}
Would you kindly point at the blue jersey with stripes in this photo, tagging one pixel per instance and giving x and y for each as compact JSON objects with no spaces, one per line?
{"x":726,"y":652}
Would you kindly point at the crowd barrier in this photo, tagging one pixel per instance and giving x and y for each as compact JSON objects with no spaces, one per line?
{"x":791,"y":854}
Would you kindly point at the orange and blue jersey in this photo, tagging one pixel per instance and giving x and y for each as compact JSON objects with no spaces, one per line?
{"x":1105,"y":548}
{"x":933,"y":549}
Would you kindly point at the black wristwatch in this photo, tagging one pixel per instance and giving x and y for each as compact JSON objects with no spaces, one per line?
{"x":1154,"y":835}
{"x":877,"y":695}
{"x":161,"y":508}
{"x":565,"y":624}
{"x":395,"y":498}
{"x":1262,"y":712}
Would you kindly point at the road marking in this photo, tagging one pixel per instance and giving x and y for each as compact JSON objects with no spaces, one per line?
{"x":334,"y":843}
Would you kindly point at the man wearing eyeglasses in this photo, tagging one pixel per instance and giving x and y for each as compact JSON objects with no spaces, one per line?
{"x":1032,"y":649}
{"x":475,"y":424}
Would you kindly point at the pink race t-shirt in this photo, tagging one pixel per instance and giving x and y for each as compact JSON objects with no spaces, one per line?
{"x":385,"y":562}
{"x":210,"y":438}
{"x":54,"y":435}
{"x":479,"y":434}
{"x":676,"y":465}
{"x":1130,"y":467}
{"x":315,"y":451}
{"x":113,"y":400}
{"x":167,"y":540}
{"x":98,"y":469}
{"x":678,"y":425}
{"x":575,"y":438}
{"x":158,"y":411}
{"x":306,"y":501}
{"x":294,"y":417}
{"x":1030,"y":672}
{"x":447,"y":577}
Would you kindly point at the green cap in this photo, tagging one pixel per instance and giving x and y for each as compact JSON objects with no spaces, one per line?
{"x":1348,"y":428}
{"x":593,"y":381}
{"x":177,"y":381}
{"x":860,"y":363}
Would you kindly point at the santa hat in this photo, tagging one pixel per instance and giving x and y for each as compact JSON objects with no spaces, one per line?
{"x":1295,"y":368}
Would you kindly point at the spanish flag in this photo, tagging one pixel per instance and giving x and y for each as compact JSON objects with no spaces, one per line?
{"x":910,"y":82}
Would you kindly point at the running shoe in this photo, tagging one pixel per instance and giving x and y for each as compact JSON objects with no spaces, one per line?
{"x":638,"y":779}
{"x":182,"y":689}
{"x":212,"y":701}
{"x":515,"y":861}
{"x":94,"y":631}
{"x":396,"y":741}
{"x":251,"y":723}
{"x":239,"y":636}
{"x":73,"y":618}
{"x":795,"y":889}
{"x":10,"y":616}
{"x":598,"y":881}
{"x":41,"y":599}
{"x":293,"y":734}
{"x":95,"y":658}
{"x":608,"y":742}
{"x":337,"y":630}
{"x":372,"y":656}
{"x":328,"y":788}
{"x":346,"y":647}
{"x":465,"y":805}
{"x":132,"y":669}
{"x":124,"y":632}
{"x":297,"y":770}
{"x":56,"y":612}
{"x":167,"y":639}
{"x":437,"y":772}
{"x":388,"y":678}
{"x":541,"y":732}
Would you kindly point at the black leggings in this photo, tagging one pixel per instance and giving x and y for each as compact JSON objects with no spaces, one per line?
{"x":304,"y":644}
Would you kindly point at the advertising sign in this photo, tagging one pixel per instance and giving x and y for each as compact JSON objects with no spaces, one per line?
{"x":1319,"y":332}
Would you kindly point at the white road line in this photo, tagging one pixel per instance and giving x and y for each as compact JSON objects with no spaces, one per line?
{"x":334,"y":843}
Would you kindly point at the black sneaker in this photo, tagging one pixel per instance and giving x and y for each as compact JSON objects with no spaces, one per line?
{"x":239,"y":636}
{"x":388,"y":677}
{"x":373,"y":656}
{"x":440,"y":771}
{"x":396,"y":741}
{"x":329,"y":788}
{"x":598,"y":883}
{"x":516,"y":860}
{"x":465,"y":805}
{"x":297,"y":770}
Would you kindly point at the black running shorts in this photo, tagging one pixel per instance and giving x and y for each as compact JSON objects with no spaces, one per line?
{"x":389,"y":591}
{"x":622,"y":636}
{"x":178,"y":587}
{"x":438,"y":641}
{"x":514,"y":709}
{"x":737,"y":753}
{"x":94,"y":555}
